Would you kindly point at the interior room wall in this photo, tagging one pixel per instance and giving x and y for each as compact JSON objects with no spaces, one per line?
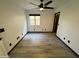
{"x":46,"y":20}
{"x":13,"y":20}
{"x":68,"y":29}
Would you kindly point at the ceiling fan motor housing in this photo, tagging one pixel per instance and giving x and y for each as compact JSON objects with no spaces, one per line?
{"x":41,"y":5}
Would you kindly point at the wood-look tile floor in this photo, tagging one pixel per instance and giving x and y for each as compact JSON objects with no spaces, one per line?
{"x":41,"y":45}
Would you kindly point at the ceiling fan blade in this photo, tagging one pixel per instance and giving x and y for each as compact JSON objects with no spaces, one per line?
{"x":48,"y":8}
{"x":41,"y":0}
{"x":41,"y":5}
{"x":34,"y":4}
{"x":49,"y":2}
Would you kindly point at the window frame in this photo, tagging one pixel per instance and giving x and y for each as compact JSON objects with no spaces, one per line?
{"x":35,"y":23}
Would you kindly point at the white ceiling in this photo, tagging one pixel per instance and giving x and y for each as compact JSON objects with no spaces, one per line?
{"x":25,"y":4}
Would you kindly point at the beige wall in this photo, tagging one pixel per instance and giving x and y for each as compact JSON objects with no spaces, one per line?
{"x":46,"y":20}
{"x":69,"y":24}
{"x":12,"y":19}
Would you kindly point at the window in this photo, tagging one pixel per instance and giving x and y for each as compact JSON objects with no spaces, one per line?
{"x":34,"y":19}
{"x":37,"y":20}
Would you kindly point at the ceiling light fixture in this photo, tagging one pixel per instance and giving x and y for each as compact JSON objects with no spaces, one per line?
{"x":41,"y":9}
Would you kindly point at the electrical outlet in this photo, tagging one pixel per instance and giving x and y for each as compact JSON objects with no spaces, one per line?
{"x":45,"y":29}
{"x":34,"y":29}
{"x":2,"y":30}
{"x":10,"y":44}
{"x":64,"y":38}
{"x":18,"y":37}
{"x":0,"y":38}
{"x":68,"y":41}
{"x":22,"y":33}
{"x":42,"y":29}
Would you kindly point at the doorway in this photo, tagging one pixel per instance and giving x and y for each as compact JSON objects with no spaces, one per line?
{"x":56,"y":20}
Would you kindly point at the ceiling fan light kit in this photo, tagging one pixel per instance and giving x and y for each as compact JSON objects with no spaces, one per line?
{"x":41,"y":9}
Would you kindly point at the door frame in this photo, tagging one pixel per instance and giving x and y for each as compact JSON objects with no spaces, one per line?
{"x":56,"y":20}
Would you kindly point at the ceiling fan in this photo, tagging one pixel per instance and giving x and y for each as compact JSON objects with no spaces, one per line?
{"x":43,"y":6}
